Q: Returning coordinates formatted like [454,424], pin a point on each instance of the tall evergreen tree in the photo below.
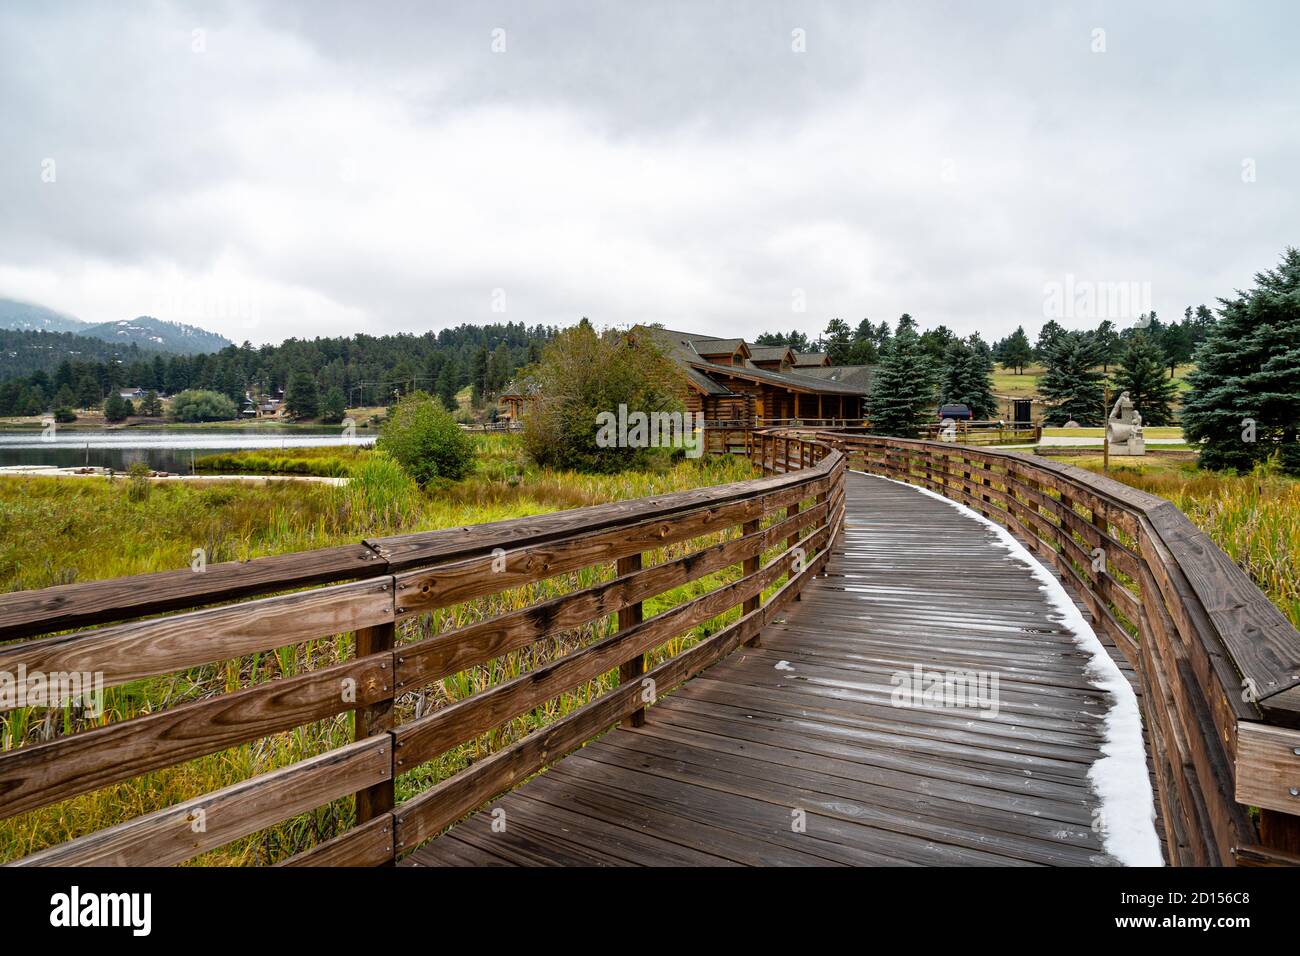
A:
[936,341]
[837,340]
[302,400]
[1048,336]
[1109,346]
[1071,383]
[967,379]
[902,393]
[1245,391]
[1141,374]
[478,377]
[1016,351]
[446,386]
[333,406]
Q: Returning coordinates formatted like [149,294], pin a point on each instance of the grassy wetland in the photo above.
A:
[59,531]
[1254,517]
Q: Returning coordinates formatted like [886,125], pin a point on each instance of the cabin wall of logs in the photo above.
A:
[1219,664]
[718,563]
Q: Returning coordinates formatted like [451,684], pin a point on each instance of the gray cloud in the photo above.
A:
[318,169]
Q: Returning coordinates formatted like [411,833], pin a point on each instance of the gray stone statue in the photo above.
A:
[1124,428]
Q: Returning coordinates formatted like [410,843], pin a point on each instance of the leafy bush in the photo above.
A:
[197,405]
[64,415]
[583,374]
[425,440]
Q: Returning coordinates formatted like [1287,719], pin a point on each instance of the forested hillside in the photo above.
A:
[368,370]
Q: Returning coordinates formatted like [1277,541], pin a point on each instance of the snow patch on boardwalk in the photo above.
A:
[1119,777]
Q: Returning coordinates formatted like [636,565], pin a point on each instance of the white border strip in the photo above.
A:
[1127,812]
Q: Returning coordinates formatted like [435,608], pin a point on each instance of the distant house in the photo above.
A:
[262,406]
[730,380]
[131,394]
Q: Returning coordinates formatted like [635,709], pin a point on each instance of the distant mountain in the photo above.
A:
[145,332]
[157,335]
[25,317]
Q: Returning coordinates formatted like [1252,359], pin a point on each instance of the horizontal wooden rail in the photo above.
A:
[1219,664]
[151,626]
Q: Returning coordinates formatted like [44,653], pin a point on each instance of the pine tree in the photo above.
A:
[302,399]
[151,405]
[902,394]
[1109,345]
[1245,391]
[333,407]
[967,378]
[1071,384]
[836,340]
[446,386]
[1141,374]
[478,377]
[116,408]
[1048,336]
[1017,352]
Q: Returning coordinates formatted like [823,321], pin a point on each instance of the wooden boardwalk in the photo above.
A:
[790,753]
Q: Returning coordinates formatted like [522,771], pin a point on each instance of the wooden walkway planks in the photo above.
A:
[803,727]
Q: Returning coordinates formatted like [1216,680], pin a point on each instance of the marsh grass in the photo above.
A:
[329,462]
[1254,517]
[62,530]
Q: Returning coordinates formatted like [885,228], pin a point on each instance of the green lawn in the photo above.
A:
[1161,431]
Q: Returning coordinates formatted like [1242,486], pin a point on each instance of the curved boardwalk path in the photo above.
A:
[800,730]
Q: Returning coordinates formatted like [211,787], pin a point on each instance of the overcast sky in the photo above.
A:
[281,169]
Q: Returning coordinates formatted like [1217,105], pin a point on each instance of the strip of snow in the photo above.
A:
[1120,777]
[783,666]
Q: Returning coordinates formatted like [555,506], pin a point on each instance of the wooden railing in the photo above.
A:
[1219,664]
[388,593]
[984,433]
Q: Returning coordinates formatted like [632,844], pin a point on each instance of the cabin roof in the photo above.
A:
[691,350]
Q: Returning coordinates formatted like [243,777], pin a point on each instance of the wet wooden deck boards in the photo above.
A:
[726,766]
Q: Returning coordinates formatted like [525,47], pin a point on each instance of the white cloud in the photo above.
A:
[338,175]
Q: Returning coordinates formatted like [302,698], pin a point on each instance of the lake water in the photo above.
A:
[160,449]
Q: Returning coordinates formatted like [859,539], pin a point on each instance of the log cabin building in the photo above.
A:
[732,382]
[729,380]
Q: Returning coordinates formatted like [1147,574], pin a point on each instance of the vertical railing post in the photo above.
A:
[374,719]
[793,540]
[631,616]
[751,566]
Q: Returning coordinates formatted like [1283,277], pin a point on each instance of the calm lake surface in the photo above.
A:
[160,449]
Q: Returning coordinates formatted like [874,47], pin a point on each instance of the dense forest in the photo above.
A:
[367,369]
[49,370]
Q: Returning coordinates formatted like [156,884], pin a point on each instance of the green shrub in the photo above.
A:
[197,405]
[64,415]
[584,374]
[425,440]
